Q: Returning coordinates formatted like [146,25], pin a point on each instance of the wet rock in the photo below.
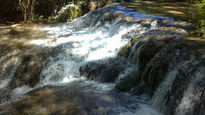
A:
[147,50]
[164,57]
[108,16]
[179,87]
[184,59]
[200,107]
[28,72]
[128,82]
[19,59]
[138,89]
[142,52]
[64,35]
[92,70]
[5,95]
[105,71]
[72,99]
[112,74]
[8,67]
[124,52]
[38,103]
[154,74]
[188,87]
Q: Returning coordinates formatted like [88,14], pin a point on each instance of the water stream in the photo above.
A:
[95,39]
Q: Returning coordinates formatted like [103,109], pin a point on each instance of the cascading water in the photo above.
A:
[84,65]
[96,37]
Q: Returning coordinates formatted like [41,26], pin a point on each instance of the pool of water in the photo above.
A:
[181,11]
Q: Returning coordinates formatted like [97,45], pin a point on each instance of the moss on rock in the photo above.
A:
[124,52]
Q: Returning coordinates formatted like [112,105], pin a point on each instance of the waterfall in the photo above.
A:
[82,65]
[93,37]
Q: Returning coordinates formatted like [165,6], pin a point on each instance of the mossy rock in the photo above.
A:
[72,99]
[128,82]
[124,51]
[28,72]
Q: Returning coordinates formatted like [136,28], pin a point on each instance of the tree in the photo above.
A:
[28,8]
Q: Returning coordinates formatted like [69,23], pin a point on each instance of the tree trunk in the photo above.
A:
[27,7]
[33,9]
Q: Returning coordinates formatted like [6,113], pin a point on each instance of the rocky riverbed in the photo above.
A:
[110,61]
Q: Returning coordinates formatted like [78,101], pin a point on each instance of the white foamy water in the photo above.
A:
[89,38]
[8,72]
[81,47]
[21,90]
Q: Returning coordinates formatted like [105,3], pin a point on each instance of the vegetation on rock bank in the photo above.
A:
[15,11]
[30,10]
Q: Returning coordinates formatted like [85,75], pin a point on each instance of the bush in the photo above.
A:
[199,19]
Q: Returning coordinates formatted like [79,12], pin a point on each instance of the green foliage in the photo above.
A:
[51,18]
[36,17]
[74,13]
[135,37]
[199,28]
[41,17]
[12,12]
[199,19]
[18,8]
[68,13]
[201,4]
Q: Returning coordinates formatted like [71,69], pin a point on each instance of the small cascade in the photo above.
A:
[95,37]
[110,61]
[8,71]
[193,94]
[162,91]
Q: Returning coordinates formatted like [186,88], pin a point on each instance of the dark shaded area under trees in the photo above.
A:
[15,11]
[10,11]
[26,10]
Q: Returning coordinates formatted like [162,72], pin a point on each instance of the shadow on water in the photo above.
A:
[178,10]
[19,57]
